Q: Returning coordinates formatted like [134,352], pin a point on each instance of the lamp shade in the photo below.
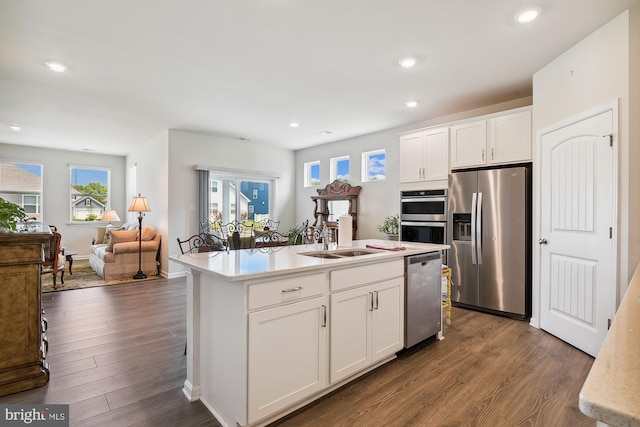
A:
[110,215]
[139,204]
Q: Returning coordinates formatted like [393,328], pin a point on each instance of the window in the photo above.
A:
[252,196]
[374,165]
[90,193]
[21,183]
[339,169]
[312,174]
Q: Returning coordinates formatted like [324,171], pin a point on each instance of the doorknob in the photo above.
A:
[542,241]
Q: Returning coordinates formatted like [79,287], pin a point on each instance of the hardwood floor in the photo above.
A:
[116,357]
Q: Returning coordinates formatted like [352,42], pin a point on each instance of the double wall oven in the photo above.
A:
[423,217]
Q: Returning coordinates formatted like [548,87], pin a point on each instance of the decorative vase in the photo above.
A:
[392,237]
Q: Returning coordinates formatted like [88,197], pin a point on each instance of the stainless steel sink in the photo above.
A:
[340,253]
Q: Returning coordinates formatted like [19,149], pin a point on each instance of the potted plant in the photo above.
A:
[390,226]
[10,216]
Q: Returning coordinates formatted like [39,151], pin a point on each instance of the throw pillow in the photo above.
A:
[107,234]
[118,236]
[148,232]
[101,231]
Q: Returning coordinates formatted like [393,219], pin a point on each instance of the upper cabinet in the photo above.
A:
[498,139]
[424,155]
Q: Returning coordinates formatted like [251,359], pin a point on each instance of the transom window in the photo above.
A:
[374,165]
[339,169]
[312,174]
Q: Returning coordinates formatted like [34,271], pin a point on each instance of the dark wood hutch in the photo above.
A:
[336,191]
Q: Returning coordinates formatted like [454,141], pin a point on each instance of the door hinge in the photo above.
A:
[611,232]
[610,136]
[608,324]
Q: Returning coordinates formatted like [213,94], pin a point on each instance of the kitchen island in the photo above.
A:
[270,330]
[611,392]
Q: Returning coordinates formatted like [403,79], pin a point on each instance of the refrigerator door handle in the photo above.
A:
[479,228]
[473,228]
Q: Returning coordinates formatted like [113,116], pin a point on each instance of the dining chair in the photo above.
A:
[54,258]
[238,235]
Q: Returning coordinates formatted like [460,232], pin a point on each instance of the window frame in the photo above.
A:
[366,165]
[106,205]
[308,175]
[16,195]
[333,168]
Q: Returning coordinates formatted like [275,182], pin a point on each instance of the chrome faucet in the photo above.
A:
[324,233]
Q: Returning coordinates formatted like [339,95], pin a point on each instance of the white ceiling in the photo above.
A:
[245,69]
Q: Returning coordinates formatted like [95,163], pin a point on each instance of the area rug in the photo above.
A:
[83,277]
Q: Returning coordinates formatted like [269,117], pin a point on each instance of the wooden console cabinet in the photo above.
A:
[23,343]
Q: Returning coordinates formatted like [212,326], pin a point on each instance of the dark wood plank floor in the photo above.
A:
[116,357]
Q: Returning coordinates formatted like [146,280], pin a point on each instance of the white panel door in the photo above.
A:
[577,262]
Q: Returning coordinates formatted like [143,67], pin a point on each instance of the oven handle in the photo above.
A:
[425,223]
[425,199]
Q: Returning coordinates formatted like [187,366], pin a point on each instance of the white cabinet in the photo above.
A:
[287,355]
[500,139]
[424,155]
[469,144]
[366,326]
[509,138]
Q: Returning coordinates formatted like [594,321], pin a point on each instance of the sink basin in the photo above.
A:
[340,253]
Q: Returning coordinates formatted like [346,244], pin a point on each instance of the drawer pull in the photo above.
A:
[296,289]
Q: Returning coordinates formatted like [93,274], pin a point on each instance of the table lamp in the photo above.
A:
[109,216]
[139,204]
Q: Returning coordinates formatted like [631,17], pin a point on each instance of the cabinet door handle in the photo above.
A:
[483,154]
[376,295]
[492,158]
[371,301]
[296,289]
[324,316]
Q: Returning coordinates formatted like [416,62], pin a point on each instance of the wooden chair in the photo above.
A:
[54,258]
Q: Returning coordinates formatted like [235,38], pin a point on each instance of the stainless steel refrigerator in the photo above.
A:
[489,229]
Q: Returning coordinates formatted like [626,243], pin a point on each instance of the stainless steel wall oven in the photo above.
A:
[423,217]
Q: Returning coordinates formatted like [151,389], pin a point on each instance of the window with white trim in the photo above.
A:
[21,184]
[312,174]
[90,194]
[339,169]
[374,165]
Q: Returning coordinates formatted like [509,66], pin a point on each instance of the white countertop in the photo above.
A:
[264,262]
[611,392]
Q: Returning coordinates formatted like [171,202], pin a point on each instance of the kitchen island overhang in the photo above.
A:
[246,306]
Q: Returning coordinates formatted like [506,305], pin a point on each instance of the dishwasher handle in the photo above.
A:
[423,258]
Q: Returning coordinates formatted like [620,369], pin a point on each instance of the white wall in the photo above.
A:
[381,198]
[151,161]
[56,185]
[187,149]
[594,72]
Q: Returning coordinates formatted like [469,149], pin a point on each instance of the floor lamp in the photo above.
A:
[139,204]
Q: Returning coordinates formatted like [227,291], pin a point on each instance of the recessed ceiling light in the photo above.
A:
[56,66]
[408,62]
[294,124]
[411,104]
[15,128]
[526,16]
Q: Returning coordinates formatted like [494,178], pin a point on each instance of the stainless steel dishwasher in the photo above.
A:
[423,297]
